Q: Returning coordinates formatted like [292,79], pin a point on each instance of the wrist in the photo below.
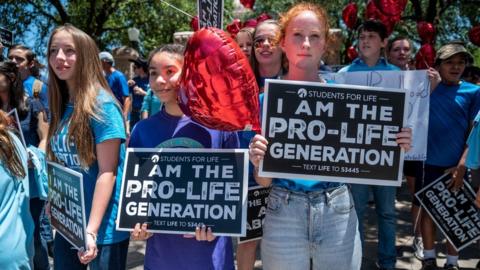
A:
[93,235]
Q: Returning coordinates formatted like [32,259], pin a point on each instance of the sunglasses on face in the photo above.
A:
[259,41]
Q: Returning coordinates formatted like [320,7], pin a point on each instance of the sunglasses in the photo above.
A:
[259,41]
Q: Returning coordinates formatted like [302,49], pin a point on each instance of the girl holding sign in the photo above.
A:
[171,128]
[16,224]
[87,134]
[308,224]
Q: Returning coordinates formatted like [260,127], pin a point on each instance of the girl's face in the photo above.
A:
[304,41]
[400,53]
[63,56]
[165,69]
[267,51]
[244,40]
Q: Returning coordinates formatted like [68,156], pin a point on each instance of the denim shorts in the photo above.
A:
[311,230]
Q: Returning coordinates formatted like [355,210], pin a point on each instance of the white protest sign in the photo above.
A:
[417,88]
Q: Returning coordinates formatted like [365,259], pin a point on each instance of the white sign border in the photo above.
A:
[363,181]
[190,150]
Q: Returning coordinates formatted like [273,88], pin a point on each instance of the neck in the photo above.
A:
[173,109]
[371,61]
[297,74]
[269,70]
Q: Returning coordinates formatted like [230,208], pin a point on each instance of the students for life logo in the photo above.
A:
[302,92]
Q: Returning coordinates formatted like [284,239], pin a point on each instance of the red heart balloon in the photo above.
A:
[217,87]
[372,12]
[263,17]
[426,31]
[234,27]
[425,57]
[248,3]
[352,53]
[250,23]
[474,35]
[392,7]
[194,23]
[349,15]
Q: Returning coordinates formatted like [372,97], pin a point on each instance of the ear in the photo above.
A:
[282,44]
[384,43]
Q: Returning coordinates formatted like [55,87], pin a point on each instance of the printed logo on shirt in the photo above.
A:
[64,149]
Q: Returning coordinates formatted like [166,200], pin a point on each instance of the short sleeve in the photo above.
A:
[110,125]
[473,142]
[230,140]
[44,96]
[475,108]
[124,85]
[146,101]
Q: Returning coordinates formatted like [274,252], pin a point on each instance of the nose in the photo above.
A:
[306,43]
[60,55]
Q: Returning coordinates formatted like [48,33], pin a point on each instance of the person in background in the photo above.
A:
[87,134]
[172,128]
[150,105]
[372,39]
[139,87]
[472,75]
[244,39]
[118,85]
[32,116]
[16,223]
[453,107]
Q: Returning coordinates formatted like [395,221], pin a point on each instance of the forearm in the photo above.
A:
[127,103]
[101,198]
[263,181]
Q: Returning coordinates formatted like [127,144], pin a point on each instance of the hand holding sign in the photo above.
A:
[90,254]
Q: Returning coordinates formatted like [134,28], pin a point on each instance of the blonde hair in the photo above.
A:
[8,152]
[88,81]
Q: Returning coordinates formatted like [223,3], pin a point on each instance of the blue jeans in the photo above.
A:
[385,207]
[40,259]
[313,230]
[109,257]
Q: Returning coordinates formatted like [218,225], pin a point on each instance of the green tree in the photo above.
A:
[106,21]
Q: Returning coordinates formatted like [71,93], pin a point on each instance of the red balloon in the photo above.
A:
[425,57]
[234,27]
[392,7]
[217,87]
[372,12]
[349,15]
[250,23]
[263,17]
[474,35]
[194,23]
[351,53]
[426,31]
[248,3]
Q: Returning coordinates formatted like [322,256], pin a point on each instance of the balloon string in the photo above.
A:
[423,59]
[176,8]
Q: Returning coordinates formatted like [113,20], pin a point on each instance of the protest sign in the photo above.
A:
[330,132]
[6,37]
[454,213]
[175,190]
[416,85]
[13,114]
[210,13]
[257,206]
[67,206]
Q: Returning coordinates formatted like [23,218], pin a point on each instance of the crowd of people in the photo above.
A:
[87,114]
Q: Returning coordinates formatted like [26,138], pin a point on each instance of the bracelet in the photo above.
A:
[93,235]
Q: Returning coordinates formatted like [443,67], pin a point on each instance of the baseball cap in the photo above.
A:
[451,49]
[106,56]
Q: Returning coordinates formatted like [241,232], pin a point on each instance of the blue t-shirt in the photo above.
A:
[169,251]
[359,65]
[110,126]
[151,103]
[452,108]
[137,100]
[118,83]
[16,223]
[43,95]
[473,142]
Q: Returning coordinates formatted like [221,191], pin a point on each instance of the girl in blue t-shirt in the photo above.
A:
[16,224]
[171,128]
[308,224]
[87,134]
